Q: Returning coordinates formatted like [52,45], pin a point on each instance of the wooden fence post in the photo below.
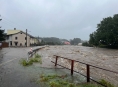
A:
[88,72]
[72,66]
[56,61]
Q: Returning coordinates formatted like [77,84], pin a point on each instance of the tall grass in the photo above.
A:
[106,83]
[37,58]
[58,81]
[24,62]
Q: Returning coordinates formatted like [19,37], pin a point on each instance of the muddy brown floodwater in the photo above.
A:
[101,57]
[12,74]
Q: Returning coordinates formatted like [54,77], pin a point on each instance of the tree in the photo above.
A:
[106,33]
[75,41]
[2,35]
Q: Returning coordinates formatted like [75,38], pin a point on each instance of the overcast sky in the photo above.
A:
[56,18]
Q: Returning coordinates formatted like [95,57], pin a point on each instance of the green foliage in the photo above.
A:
[37,58]
[50,41]
[26,63]
[89,85]
[86,44]
[71,85]
[61,81]
[54,84]
[106,33]
[75,41]
[2,35]
[105,83]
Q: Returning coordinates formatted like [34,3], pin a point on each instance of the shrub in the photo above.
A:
[37,56]
[25,62]
[105,83]
[54,84]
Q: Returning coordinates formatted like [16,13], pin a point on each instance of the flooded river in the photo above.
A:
[100,57]
[12,74]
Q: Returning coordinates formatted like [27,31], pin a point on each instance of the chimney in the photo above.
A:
[14,28]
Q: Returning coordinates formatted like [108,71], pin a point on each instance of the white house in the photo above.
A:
[18,38]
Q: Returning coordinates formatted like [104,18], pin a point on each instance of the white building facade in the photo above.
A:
[19,39]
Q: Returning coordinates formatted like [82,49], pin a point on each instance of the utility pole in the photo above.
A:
[26,37]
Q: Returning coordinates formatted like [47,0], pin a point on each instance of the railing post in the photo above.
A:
[88,72]
[27,56]
[72,66]
[56,61]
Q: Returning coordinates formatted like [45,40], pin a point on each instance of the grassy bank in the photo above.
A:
[63,81]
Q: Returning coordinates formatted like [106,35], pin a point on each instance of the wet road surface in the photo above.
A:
[101,57]
[12,74]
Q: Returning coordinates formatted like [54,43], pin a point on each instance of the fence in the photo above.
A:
[87,68]
[5,44]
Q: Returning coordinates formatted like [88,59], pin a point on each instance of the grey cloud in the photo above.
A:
[56,18]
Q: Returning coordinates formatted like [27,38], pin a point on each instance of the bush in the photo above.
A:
[105,83]
[58,81]
[26,63]
[37,58]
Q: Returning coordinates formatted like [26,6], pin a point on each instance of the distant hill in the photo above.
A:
[58,41]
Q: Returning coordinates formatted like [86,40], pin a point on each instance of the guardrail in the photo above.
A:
[87,68]
[31,53]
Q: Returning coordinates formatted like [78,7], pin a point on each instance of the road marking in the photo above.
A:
[7,61]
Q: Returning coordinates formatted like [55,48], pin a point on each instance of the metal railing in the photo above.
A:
[32,52]
[87,68]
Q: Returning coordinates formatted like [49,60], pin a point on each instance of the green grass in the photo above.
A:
[105,83]
[25,62]
[61,81]
[37,58]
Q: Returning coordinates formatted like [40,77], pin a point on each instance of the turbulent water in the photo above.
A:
[101,57]
[12,74]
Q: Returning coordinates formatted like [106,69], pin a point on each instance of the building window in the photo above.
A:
[16,38]
[25,38]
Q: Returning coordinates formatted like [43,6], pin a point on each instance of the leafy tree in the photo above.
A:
[85,44]
[106,33]
[2,35]
[75,41]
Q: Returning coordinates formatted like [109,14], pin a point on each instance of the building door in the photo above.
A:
[16,43]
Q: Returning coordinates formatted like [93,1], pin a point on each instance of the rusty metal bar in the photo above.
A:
[90,65]
[72,66]
[88,73]
[56,60]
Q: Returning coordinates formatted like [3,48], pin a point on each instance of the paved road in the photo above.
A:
[12,74]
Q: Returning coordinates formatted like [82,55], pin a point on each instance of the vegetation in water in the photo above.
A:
[37,58]
[61,81]
[106,83]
